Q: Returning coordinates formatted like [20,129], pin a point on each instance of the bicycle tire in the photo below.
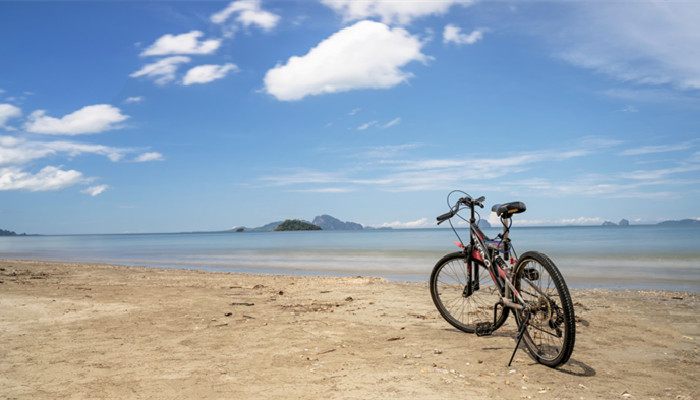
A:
[448,281]
[551,330]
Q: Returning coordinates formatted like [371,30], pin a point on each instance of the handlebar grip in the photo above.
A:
[444,217]
[479,201]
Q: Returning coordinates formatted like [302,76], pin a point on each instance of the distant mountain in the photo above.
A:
[328,223]
[296,225]
[681,222]
[624,222]
[484,224]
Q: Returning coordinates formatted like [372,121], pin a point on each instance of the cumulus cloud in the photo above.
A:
[152,156]
[95,190]
[7,112]
[247,12]
[49,178]
[89,119]
[162,71]
[391,11]
[186,43]
[648,43]
[366,55]
[208,73]
[454,34]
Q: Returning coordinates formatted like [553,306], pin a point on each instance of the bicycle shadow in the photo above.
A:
[577,368]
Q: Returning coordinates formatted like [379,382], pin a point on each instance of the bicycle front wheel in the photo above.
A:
[551,330]
[465,294]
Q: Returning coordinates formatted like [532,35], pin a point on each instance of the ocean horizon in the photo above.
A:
[629,257]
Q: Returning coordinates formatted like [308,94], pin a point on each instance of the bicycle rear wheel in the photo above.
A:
[461,306]
[551,330]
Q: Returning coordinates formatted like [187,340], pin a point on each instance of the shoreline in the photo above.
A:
[574,279]
[78,330]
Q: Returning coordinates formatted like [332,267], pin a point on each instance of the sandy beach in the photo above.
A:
[99,331]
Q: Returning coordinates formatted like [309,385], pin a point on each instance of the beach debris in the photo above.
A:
[582,386]
[258,286]
[687,337]
[391,339]
[349,298]
[437,351]
[242,304]
[228,314]
[626,394]
[419,316]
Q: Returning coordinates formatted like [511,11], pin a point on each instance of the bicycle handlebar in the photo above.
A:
[467,201]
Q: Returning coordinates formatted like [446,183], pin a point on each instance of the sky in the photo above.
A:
[159,116]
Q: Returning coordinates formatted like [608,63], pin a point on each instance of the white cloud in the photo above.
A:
[353,112]
[366,55]
[248,13]
[657,149]
[208,73]
[646,43]
[402,175]
[391,11]
[135,99]
[454,34]
[366,125]
[89,119]
[162,71]
[391,123]
[49,178]
[95,190]
[186,43]
[153,156]
[17,152]
[7,112]
[420,223]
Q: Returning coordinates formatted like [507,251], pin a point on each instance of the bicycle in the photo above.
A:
[475,288]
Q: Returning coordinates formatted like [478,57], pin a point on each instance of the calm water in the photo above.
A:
[637,257]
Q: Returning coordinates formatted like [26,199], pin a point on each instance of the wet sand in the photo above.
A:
[99,331]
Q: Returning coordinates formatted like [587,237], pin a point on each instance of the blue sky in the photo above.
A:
[176,116]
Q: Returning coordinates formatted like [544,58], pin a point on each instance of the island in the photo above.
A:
[682,222]
[4,232]
[296,225]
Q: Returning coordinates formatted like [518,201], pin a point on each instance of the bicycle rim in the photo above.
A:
[461,307]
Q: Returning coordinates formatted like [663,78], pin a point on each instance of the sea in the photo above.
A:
[632,257]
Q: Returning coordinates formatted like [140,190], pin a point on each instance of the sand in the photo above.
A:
[98,331]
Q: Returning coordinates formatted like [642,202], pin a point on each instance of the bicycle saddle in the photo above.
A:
[508,209]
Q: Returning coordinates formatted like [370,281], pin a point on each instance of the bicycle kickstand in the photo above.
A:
[521,332]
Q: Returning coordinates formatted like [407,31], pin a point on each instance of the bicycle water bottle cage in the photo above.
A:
[508,209]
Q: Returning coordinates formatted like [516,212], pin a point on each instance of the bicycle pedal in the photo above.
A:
[484,329]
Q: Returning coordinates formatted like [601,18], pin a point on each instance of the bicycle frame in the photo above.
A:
[478,252]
